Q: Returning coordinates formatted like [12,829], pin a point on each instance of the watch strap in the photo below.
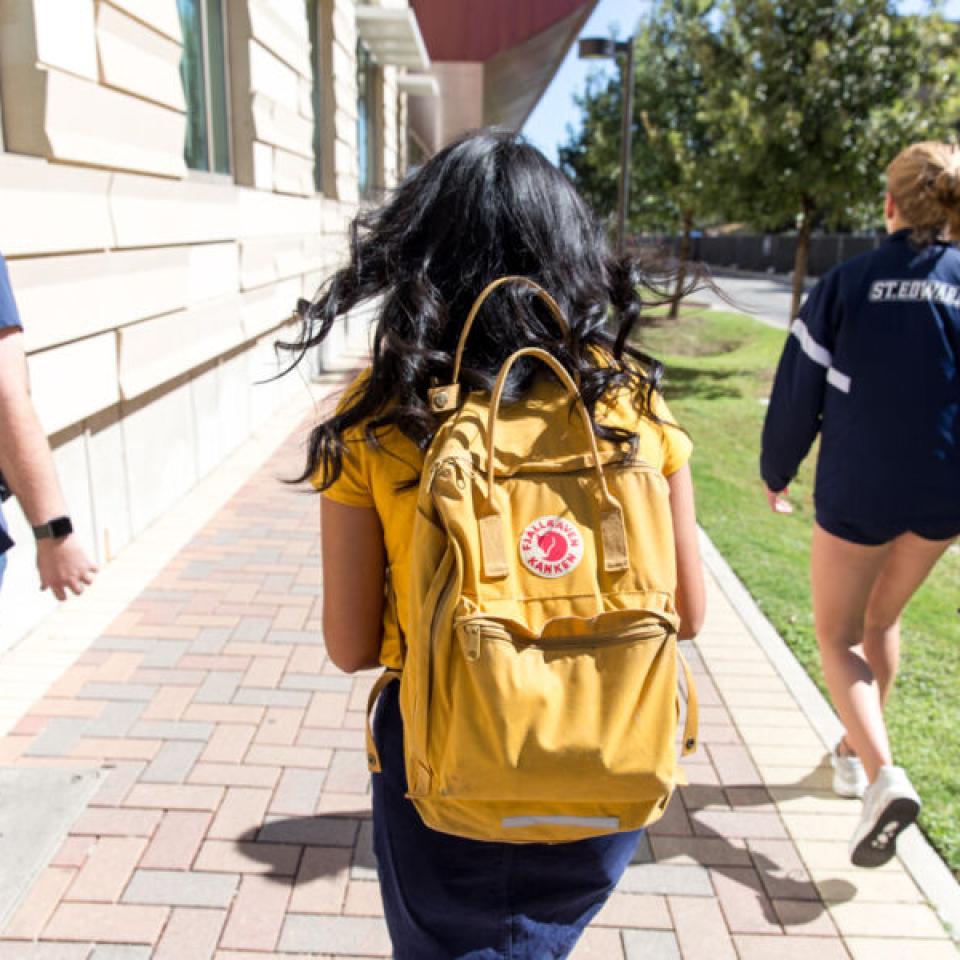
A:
[54,529]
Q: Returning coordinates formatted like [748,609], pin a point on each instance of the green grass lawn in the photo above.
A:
[719,370]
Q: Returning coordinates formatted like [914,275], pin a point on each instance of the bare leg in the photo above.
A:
[858,595]
[908,565]
[843,575]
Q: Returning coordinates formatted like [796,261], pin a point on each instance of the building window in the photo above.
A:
[366,119]
[204,75]
[417,153]
[317,66]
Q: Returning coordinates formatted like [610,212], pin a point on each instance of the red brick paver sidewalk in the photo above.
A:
[232,820]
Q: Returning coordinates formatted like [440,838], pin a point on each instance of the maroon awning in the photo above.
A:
[477,30]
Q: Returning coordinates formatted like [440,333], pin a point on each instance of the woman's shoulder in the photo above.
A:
[385,445]
[642,410]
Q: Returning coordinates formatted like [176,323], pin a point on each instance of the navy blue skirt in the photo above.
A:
[449,898]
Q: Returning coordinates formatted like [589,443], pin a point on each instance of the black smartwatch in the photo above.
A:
[55,529]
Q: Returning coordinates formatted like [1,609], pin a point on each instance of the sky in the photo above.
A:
[547,126]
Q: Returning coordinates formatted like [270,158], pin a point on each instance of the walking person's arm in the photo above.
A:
[691,594]
[796,401]
[354,562]
[28,468]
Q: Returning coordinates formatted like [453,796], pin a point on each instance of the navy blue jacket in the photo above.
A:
[872,364]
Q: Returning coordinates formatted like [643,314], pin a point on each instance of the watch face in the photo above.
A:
[61,527]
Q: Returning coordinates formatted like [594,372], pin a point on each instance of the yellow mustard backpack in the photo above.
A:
[539,690]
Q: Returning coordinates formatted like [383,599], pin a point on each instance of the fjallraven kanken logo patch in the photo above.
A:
[551,547]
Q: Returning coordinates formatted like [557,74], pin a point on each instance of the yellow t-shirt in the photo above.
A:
[386,480]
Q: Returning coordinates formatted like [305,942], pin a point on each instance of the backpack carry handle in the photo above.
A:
[447,397]
[612,528]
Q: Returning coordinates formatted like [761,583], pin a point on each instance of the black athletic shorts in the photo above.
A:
[877,534]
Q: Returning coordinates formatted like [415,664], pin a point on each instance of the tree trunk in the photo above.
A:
[801,257]
[684,257]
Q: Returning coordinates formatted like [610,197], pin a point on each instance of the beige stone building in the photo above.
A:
[174,174]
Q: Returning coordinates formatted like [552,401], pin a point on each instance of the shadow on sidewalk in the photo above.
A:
[769,867]
[348,832]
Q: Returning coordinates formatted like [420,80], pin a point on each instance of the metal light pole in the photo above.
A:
[604,48]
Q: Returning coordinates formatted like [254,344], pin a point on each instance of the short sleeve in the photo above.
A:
[9,315]
[353,486]
[677,445]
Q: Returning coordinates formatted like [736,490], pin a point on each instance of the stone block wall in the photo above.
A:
[151,295]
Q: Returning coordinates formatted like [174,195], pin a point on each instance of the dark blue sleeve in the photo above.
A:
[796,402]
[9,315]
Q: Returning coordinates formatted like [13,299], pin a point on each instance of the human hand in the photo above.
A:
[777,503]
[63,565]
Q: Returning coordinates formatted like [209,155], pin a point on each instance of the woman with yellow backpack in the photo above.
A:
[508,528]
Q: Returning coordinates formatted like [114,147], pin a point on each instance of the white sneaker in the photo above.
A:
[849,777]
[890,805]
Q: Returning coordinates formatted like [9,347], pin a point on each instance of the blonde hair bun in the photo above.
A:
[946,185]
[924,181]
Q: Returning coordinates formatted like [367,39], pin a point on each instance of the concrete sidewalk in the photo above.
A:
[228,801]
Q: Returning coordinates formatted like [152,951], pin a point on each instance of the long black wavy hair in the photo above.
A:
[488,204]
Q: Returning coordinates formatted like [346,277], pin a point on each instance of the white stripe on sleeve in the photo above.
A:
[839,380]
[809,346]
[820,356]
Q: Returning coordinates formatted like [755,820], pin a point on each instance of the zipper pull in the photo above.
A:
[470,635]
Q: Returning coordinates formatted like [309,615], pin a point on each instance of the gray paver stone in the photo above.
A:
[176,888]
[116,719]
[173,730]
[339,936]
[298,791]
[255,696]
[165,653]
[172,763]
[663,878]
[118,691]
[306,589]
[276,583]
[131,644]
[218,687]
[59,737]
[170,676]
[252,629]
[650,945]
[210,640]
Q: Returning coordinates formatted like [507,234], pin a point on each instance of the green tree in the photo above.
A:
[671,188]
[815,100]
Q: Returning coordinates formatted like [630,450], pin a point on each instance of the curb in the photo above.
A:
[921,861]
[784,279]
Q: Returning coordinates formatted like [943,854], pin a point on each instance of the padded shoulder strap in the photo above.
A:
[447,397]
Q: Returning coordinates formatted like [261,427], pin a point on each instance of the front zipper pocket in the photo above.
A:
[474,631]
[566,717]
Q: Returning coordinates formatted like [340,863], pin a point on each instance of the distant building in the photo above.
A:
[174,174]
